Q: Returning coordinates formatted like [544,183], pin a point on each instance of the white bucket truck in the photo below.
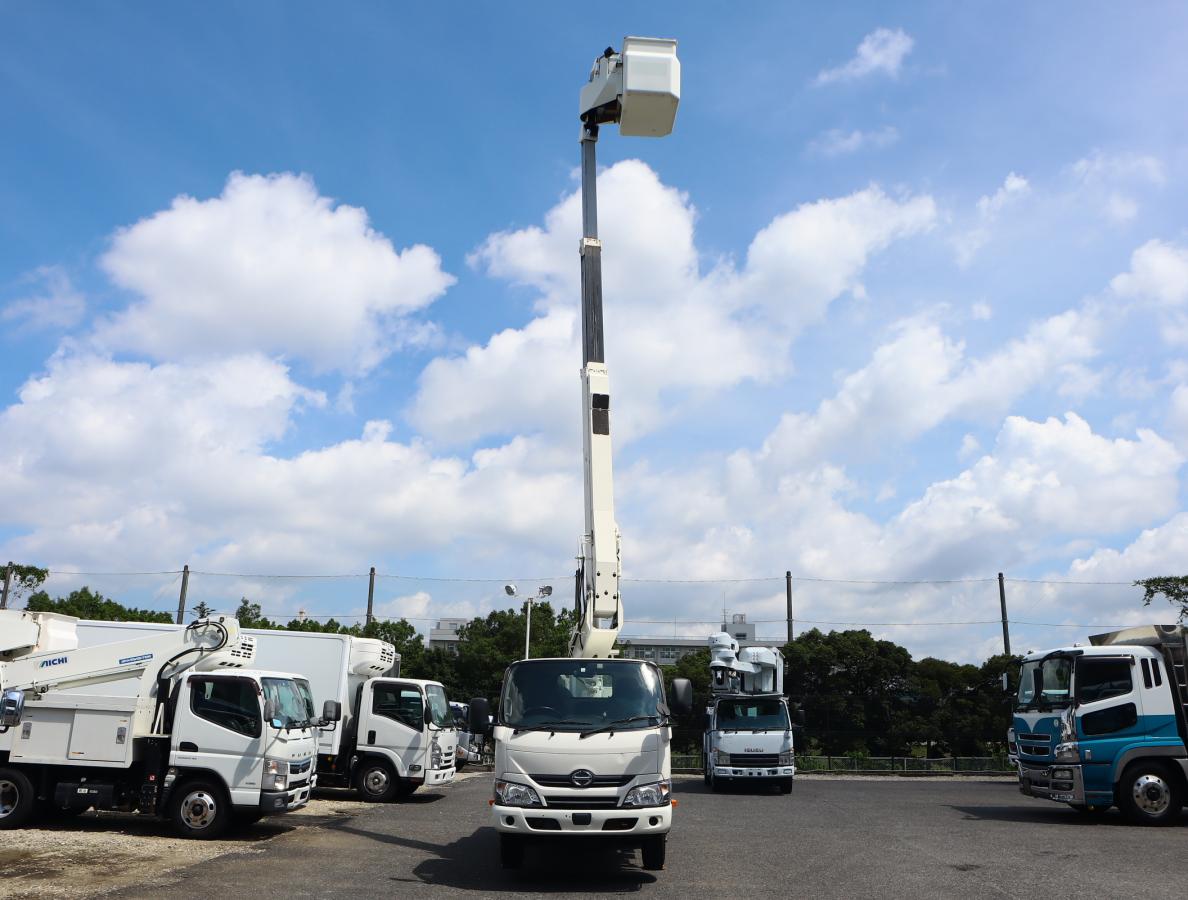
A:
[583,744]
[189,732]
[396,733]
[748,732]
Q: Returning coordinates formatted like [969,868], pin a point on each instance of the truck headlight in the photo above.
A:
[276,774]
[509,793]
[721,758]
[435,754]
[1070,751]
[655,794]
[787,758]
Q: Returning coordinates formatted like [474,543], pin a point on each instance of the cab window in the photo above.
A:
[230,703]
[1101,679]
[402,703]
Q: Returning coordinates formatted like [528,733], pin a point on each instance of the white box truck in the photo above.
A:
[175,724]
[396,734]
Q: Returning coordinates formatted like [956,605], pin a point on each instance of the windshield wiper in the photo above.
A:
[545,726]
[610,726]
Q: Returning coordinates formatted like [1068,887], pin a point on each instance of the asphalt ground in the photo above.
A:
[830,838]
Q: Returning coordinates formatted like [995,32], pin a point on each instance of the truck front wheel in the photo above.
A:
[1149,794]
[653,852]
[199,809]
[376,782]
[16,798]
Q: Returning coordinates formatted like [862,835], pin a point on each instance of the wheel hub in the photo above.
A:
[376,781]
[9,795]
[198,810]
[1152,795]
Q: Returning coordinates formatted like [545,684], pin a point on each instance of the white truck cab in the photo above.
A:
[582,749]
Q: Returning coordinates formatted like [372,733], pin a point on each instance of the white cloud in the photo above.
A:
[674,332]
[54,303]
[1156,551]
[836,142]
[989,207]
[1108,180]
[881,52]
[981,312]
[1158,273]
[271,266]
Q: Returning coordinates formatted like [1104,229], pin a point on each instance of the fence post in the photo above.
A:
[1006,634]
[371,597]
[181,599]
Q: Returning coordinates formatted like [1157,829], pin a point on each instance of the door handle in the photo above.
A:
[371,736]
[188,746]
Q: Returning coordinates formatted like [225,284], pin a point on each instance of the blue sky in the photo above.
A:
[902,297]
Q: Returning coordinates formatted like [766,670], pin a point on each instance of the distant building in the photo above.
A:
[445,634]
[667,651]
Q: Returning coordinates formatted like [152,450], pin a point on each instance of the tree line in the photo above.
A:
[860,695]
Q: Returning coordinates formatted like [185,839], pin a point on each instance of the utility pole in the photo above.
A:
[181,599]
[371,597]
[1006,634]
[7,585]
[788,590]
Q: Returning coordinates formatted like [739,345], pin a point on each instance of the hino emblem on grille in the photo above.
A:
[582,778]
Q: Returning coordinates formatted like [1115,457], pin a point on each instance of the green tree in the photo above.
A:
[25,580]
[1173,587]
[687,732]
[202,610]
[248,615]
[87,604]
[487,646]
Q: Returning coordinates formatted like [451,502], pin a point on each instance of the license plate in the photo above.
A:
[1064,798]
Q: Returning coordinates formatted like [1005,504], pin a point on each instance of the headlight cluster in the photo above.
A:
[276,774]
[655,794]
[787,758]
[435,754]
[1070,751]
[509,793]
[721,758]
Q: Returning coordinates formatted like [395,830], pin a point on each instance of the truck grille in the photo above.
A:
[582,803]
[564,782]
[754,759]
[300,768]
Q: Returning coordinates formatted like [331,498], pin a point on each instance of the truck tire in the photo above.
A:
[786,785]
[405,789]
[707,774]
[1150,794]
[199,809]
[16,798]
[375,781]
[653,850]
[511,851]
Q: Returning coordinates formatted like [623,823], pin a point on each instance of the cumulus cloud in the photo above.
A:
[989,207]
[269,265]
[1158,279]
[836,142]
[53,302]
[1110,181]
[665,316]
[881,52]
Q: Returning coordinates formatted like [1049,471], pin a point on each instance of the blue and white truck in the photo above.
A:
[1107,725]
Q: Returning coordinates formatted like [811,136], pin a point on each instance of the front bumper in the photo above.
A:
[754,772]
[619,822]
[440,776]
[1063,783]
[295,797]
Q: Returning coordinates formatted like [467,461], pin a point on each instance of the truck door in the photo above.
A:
[217,726]
[1109,715]
[396,722]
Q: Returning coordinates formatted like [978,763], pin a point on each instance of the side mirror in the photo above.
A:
[12,706]
[427,716]
[331,711]
[480,716]
[682,696]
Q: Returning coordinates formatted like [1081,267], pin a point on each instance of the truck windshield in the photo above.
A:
[1054,682]
[439,706]
[768,714]
[580,694]
[288,701]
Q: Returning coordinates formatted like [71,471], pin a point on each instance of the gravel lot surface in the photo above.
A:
[833,837]
[95,853]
